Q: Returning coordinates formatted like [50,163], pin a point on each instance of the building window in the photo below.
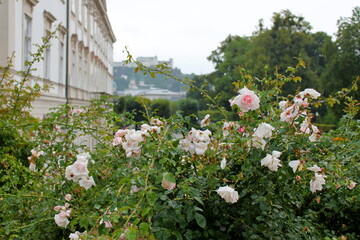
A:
[80,73]
[85,80]
[47,56]
[73,67]
[91,24]
[48,20]
[80,10]
[73,6]
[47,62]
[62,34]
[27,40]
[61,62]
[85,17]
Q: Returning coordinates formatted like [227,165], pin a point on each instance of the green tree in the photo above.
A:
[278,47]
[119,105]
[228,57]
[343,57]
[161,107]
[135,107]
[188,106]
[201,82]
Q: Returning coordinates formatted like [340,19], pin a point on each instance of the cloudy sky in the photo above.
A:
[188,30]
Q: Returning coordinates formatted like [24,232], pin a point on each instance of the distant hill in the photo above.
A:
[124,75]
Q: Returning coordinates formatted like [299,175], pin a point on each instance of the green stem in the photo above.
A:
[31,224]
[35,196]
[145,189]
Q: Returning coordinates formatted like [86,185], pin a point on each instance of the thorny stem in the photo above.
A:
[35,196]
[145,189]
[6,69]
[31,224]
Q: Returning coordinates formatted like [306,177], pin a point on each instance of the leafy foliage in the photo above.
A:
[161,181]
[165,192]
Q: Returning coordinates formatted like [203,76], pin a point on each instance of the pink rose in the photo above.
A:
[108,224]
[241,129]
[246,100]
[117,141]
[351,185]
[57,208]
[67,197]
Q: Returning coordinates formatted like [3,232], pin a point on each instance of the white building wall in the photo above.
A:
[89,47]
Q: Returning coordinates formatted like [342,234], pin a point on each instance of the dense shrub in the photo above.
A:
[271,174]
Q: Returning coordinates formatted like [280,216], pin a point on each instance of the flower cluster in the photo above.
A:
[61,219]
[130,139]
[78,171]
[77,111]
[231,127]
[35,154]
[196,142]
[291,113]
[107,224]
[246,100]
[76,235]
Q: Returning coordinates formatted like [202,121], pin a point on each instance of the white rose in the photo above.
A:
[223,163]
[311,93]
[87,182]
[229,194]
[294,165]
[264,130]
[205,121]
[317,182]
[272,161]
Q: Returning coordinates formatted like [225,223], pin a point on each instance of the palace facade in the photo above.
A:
[79,63]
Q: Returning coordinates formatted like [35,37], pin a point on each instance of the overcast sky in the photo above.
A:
[188,30]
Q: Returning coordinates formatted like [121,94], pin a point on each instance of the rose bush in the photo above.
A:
[271,174]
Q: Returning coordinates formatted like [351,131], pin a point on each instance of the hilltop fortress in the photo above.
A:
[147,61]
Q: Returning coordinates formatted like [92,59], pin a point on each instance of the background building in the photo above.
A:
[130,82]
[78,64]
[147,61]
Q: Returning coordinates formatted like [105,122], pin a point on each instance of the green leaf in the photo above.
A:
[200,220]
[199,200]
[151,198]
[131,233]
[197,209]
[177,235]
[144,228]
[145,211]
[190,215]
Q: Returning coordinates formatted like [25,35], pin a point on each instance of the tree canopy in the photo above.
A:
[329,65]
